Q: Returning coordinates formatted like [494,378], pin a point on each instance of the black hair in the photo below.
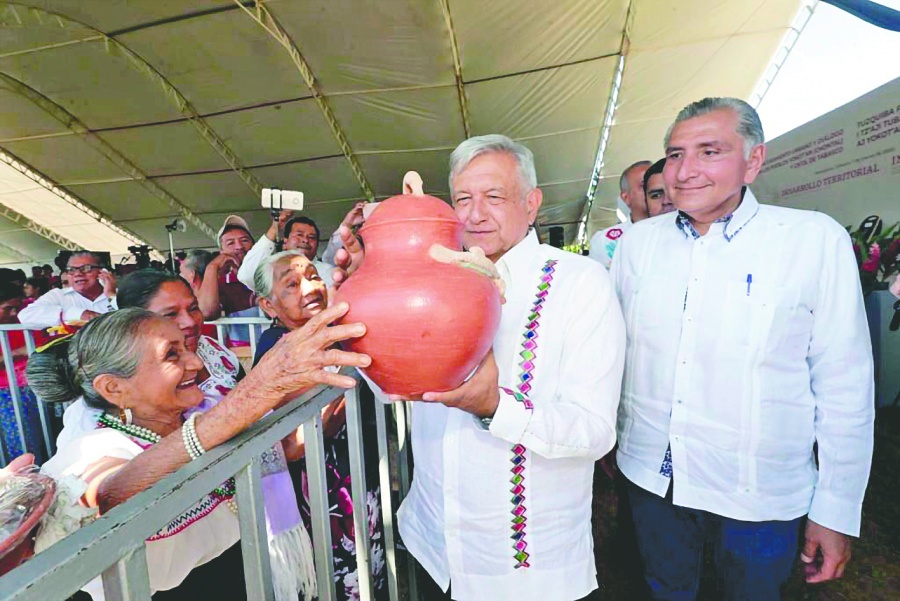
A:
[138,288]
[301,219]
[42,284]
[9,291]
[655,168]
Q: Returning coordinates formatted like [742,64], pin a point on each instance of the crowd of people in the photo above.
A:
[721,370]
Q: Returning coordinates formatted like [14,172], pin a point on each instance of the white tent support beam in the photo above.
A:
[784,51]
[611,105]
[184,106]
[268,22]
[457,68]
[16,254]
[37,228]
[42,180]
[97,143]
[188,110]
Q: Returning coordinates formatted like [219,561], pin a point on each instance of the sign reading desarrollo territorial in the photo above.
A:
[846,163]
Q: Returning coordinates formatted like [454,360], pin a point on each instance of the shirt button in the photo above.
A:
[678,401]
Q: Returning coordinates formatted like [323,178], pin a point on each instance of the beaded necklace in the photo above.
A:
[224,492]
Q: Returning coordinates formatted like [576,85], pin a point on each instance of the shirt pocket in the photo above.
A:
[748,315]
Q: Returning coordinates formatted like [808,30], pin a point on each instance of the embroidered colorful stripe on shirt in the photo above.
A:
[528,354]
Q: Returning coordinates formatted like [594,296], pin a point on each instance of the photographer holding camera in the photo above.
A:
[300,233]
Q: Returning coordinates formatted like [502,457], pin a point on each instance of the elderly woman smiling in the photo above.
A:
[135,367]
[292,292]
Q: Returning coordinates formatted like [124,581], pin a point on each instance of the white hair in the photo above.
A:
[468,150]
[749,126]
[84,253]
[264,276]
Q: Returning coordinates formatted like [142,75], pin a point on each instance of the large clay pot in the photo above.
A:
[428,324]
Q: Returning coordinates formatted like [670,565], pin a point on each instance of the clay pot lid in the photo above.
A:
[412,205]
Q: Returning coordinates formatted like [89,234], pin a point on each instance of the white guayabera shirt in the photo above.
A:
[745,347]
[63,303]
[505,513]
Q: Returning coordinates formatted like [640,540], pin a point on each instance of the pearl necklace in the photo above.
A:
[130,429]
[226,491]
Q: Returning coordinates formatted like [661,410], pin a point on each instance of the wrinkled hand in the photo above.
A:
[355,216]
[479,395]
[298,361]
[347,259]
[109,282]
[825,553]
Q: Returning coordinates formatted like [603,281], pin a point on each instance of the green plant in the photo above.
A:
[877,254]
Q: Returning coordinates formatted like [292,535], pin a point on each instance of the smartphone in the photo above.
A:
[282,200]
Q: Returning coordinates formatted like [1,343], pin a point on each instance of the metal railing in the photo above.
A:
[113,545]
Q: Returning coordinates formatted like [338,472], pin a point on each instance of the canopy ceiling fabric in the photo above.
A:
[145,111]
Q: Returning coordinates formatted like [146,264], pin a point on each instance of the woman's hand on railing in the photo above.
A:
[298,361]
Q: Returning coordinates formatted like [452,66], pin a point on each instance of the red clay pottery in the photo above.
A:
[428,323]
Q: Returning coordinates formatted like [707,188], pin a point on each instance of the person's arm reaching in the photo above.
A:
[352,219]
[262,249]
[296,364]
[208,294]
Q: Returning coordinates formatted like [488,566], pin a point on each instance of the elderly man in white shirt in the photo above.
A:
[500,505]
[747,346]
[92,293]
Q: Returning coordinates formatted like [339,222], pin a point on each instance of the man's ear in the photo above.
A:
[755,163]
[267,307]
[111,388]
[533,202]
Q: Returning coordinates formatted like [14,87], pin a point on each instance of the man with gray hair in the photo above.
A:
[92,292]
[747,412]
[500,505]
[631,191]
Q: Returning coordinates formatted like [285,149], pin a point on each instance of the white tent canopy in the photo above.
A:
[146,111]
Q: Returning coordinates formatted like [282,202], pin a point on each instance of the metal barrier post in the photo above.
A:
[404,435]
[254,540]
[359,492]
[129,578]
[387,510]
[319,506]
[49,443]
[14,392]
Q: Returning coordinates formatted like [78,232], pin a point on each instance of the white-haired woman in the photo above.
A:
[291,292]
[134,366]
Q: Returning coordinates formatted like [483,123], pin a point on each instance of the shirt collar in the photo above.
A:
[516,261]
[734,222]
